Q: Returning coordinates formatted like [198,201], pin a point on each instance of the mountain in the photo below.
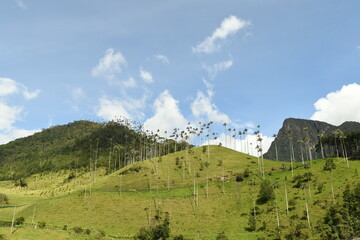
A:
[80,144]
[297,136]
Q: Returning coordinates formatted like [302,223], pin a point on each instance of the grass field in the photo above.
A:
[123,201]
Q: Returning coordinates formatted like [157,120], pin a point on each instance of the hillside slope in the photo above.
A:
[197,188]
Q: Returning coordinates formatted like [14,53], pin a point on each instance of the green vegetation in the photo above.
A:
[185,194]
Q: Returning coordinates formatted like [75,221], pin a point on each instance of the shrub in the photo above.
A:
[161,230]
[87,231]
[320,187]
[65,228]
[251,223]
[239,177]
[21,183]
[221,236]
[4,199]
[266,192]
[179,237]
[246,173]
[42,224]
[329,165]
[19,221]
[78,230]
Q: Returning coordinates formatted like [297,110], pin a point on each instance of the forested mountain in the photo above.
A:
[81,144]
[300,139]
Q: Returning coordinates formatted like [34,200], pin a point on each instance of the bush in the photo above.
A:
[320,187]
[266,192]
[329,165]
[4,199]
[78,230]
[19,221]
[21,182]
[251,223]
[179,237]
[221,236]
[65,228]
[240,177]
[161,230]
[87,231]
[42,224]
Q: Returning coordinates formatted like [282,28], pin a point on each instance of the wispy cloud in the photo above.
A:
[229,26]
[21,4]
[214,69]
[109,66]
[146,76]
[162,58]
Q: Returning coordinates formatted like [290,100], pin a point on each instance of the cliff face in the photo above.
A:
[299,135]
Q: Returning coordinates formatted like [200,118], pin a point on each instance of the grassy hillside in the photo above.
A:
[125,200]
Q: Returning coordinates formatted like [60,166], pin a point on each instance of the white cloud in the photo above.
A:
[167,115]
[245,145]
[8,86]
[214,69]
[162,58]
[112,109]
[339,106]
[203,109]
[30,94]
[10,114]
[130,83]
[21,4]
[146,76]
[109,66]
[229,26]
[128,107]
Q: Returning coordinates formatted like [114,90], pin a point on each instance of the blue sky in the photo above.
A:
[166,63]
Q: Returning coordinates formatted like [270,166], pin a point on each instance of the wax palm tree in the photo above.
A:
[276,149]
[321,135]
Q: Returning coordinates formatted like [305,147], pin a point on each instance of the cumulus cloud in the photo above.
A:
[245,144]
[162,58]
[203,108]
[228,27]
[339,106]
[214,69]
[10,114]
[167,115]
[146,76]
[128,107]
[112,109]
[109,66]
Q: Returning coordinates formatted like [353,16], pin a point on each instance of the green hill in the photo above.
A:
[196,187]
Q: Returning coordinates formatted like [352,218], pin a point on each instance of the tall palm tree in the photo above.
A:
[276,149]
[321,135]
